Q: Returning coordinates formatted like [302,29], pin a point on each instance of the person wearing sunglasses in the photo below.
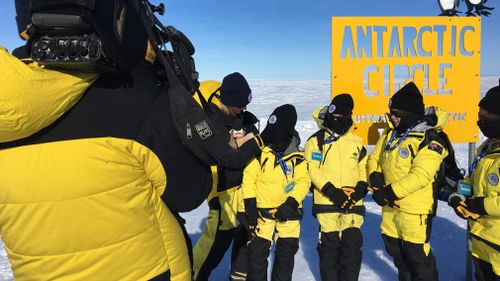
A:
[482,209]
[337,167]
[402,170]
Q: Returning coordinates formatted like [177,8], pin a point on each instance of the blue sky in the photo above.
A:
[277,39]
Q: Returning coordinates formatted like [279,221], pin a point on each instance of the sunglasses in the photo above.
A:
[397,113]
[337,118]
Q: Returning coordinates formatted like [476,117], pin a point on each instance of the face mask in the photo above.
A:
[338,125]
[408,120]
[489,127]
[281,145]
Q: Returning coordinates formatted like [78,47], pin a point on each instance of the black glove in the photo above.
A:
[458,203]
[476,205]
[286,209]
[377,180]
[360,191]
[384,196]
[252,213]
[336,195]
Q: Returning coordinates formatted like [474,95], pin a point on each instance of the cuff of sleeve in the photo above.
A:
[390,195]
[396,190]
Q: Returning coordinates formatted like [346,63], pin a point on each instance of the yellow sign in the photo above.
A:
[373,57]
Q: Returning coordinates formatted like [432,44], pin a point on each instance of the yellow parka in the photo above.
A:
[83,183]
[342,163]
[485,183]
[410,169]
[265,180]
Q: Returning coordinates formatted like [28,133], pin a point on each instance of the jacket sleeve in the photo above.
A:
[302,182]
[363,159]
[228,157]
[317,177]
[492,200]
[373,164]
[250,177]
[422,171]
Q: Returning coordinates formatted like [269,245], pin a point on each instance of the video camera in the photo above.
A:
[106,35]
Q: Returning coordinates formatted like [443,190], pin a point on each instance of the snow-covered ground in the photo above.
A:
[448,235]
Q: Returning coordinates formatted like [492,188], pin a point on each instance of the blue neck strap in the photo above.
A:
[388,146]
[477,159]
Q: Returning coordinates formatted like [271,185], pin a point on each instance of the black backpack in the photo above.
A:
[449,173]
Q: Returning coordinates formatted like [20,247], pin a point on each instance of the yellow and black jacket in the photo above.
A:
[485,183]
[265,180]
[341,162]
[84,169]
[226,177]
[409,168]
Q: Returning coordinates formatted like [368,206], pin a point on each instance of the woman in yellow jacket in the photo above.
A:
[482,209]
[274,186]
[337,166]
[402,169]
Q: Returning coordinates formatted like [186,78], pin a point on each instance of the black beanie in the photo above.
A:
[491,101]
[341,104]
[235,91]
[281,124]
[408,99]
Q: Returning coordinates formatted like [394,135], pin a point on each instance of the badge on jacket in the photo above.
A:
[403,152]
[317,156]
[435,147]
[493,179]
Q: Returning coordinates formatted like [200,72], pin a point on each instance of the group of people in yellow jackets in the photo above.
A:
[262,202]
[94,172]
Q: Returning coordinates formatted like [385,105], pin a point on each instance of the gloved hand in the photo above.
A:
[339,197]
[286,209]
[360,191]
[377,180]
[385,196]
[459,204]
[476,205]
[252,214]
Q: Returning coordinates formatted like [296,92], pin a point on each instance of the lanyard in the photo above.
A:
[331,138]
[393,136]
[477,159]
[282,163]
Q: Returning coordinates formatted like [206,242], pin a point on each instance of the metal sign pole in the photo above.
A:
[468,255]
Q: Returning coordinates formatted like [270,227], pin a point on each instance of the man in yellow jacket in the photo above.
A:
[337,166]
[274,186]
[228,100]
[482,208]
[93,172]
[402,170]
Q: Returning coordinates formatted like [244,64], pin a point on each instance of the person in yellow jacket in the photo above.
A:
[482,208]
[93,172]
[337,166]
[228,100]
[402,169]
[274,186]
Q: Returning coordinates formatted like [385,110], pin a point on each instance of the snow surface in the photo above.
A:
[448,234]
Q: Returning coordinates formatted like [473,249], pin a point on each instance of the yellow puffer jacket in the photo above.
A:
[409,170]
[36,97]
[485,183]
[342,163]
[83,199]
[265,180]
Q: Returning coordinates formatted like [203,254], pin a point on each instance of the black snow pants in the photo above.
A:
[284,257]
